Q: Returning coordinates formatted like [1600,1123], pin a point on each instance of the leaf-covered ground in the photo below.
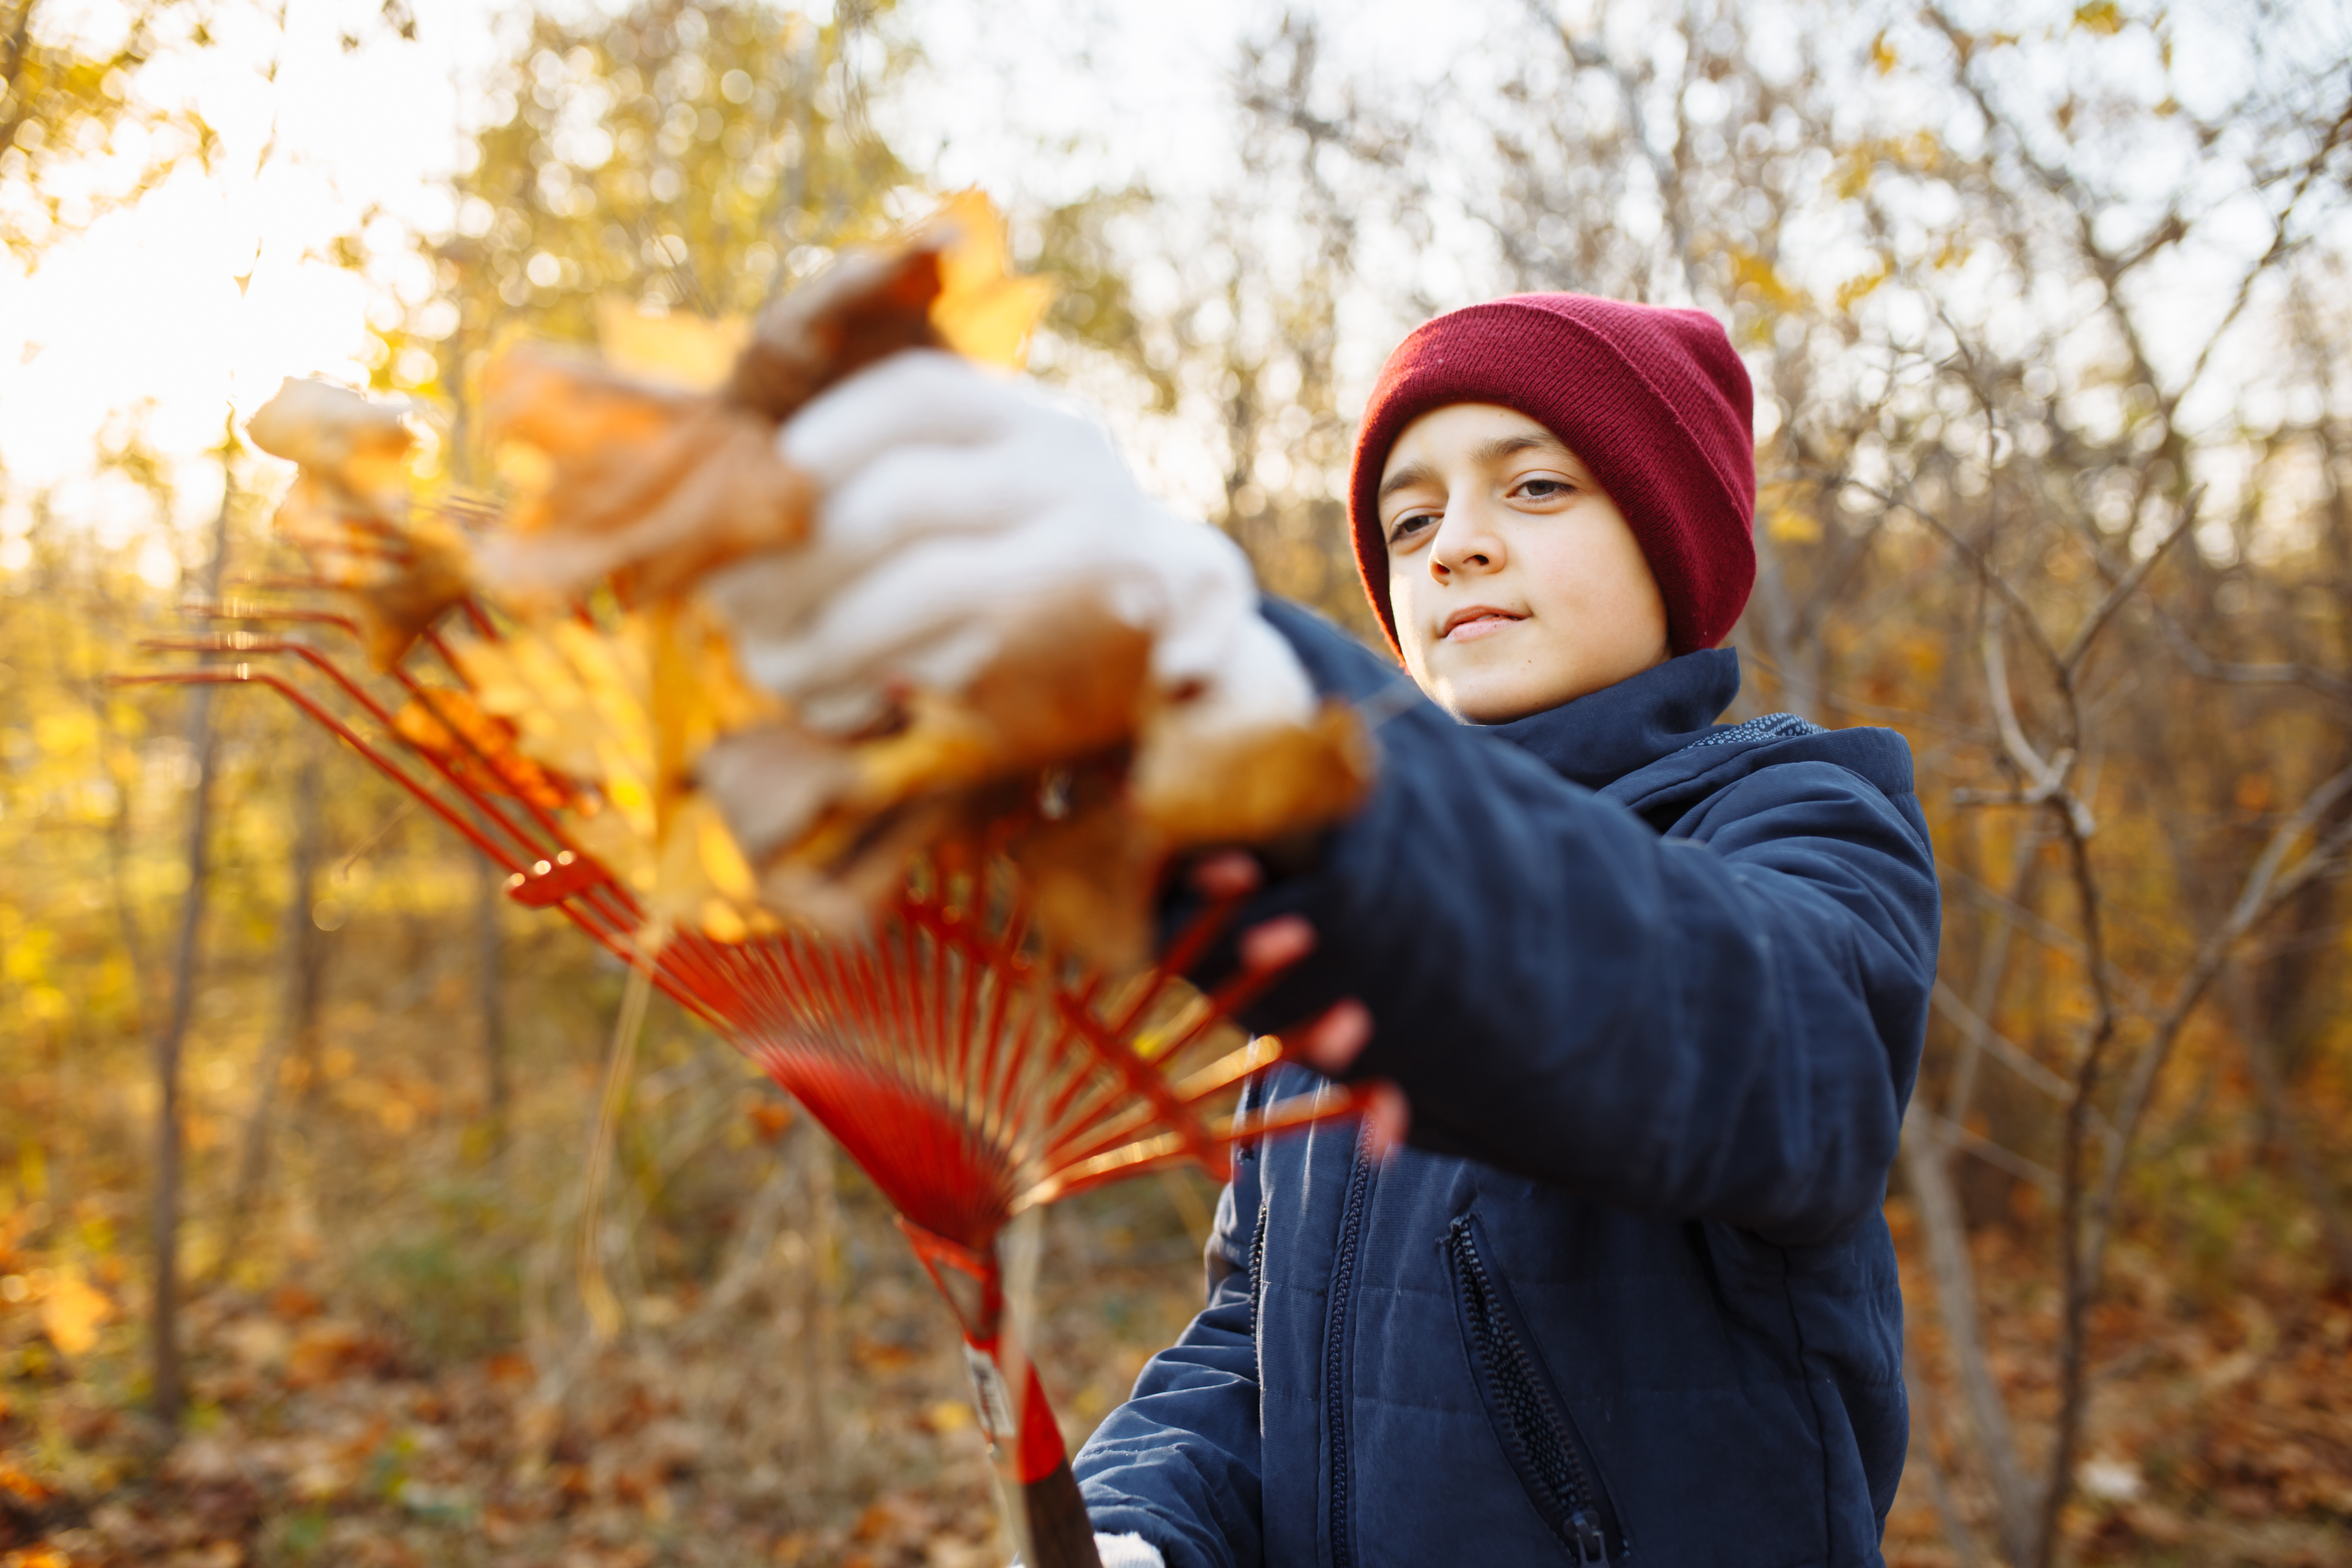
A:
[321,1433]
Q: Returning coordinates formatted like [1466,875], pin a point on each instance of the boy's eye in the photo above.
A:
[1544,489]
[1410,524]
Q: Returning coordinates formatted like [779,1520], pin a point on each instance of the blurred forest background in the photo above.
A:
[2049,313]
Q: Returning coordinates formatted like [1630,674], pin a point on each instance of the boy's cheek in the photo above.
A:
[1411,621]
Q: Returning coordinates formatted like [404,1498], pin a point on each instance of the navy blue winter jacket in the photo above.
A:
[1656,989]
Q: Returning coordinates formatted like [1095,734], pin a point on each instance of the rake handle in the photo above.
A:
[1059,1534]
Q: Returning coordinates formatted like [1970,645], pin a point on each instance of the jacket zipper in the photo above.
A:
[1335,1361]
[1258,1264]
[1553,1453]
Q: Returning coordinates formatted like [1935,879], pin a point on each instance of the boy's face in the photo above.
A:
[1516,582]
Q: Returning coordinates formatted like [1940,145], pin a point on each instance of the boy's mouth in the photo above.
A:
[1472,622]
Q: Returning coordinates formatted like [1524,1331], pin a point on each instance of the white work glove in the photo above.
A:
[1122,1551]
[1127,1551]
[960,505]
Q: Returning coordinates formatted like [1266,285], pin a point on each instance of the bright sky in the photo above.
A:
[138,325]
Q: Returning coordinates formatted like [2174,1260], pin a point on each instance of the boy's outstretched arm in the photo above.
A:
[1178,1464]
[1725,1026]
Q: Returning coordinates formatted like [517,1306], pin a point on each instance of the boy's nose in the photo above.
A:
[1464,542]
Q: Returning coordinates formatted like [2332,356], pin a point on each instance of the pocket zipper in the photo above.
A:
[1551,1461]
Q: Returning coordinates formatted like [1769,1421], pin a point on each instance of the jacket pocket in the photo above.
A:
[1535,1429]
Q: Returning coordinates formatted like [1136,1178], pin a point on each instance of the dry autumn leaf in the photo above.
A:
[945,286]
[27,1489]
[1093,874]
[630,713]
[623,480]
[694,354]
[340,437]
[479,748]
[1249,788]
[823,816]
[984,310]
[399,564]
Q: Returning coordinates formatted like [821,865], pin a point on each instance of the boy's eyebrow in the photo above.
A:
[1491,451]
[1502,446]
[1410,474]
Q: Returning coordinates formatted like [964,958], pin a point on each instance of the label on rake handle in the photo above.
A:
[990,1397]
[1034,1442]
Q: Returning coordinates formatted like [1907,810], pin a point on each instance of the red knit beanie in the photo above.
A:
[1653,400]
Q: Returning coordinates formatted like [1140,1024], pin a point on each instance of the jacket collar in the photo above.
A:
[1599,738]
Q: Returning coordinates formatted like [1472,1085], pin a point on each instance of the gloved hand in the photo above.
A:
[961,510]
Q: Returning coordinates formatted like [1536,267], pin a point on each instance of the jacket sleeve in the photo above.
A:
[1178,1463]
[1724,1024]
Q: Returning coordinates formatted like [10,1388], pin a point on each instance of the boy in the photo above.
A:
[1655,988]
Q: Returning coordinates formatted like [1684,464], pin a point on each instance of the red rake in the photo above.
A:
[971,1070]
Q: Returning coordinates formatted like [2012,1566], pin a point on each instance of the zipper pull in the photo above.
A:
[1591,1546]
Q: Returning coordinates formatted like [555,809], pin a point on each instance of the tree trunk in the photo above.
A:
[498,1094]
[163,1318]
[305,980]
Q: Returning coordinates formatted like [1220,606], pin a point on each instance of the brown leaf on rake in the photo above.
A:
[945,286]
[340,435]
[350,513]
[1067,682]
[831,823]
[1253,787]
[479,747]
[850,864]
[775,781]
[865,307]
[1094,874]
[629,711]
[396,579]
[621,479]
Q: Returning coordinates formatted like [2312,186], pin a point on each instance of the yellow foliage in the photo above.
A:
[66,733]
[1851,174]
[1922,152]
[1854,289]
[2104,18]
[71,1311]
[1751,270]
